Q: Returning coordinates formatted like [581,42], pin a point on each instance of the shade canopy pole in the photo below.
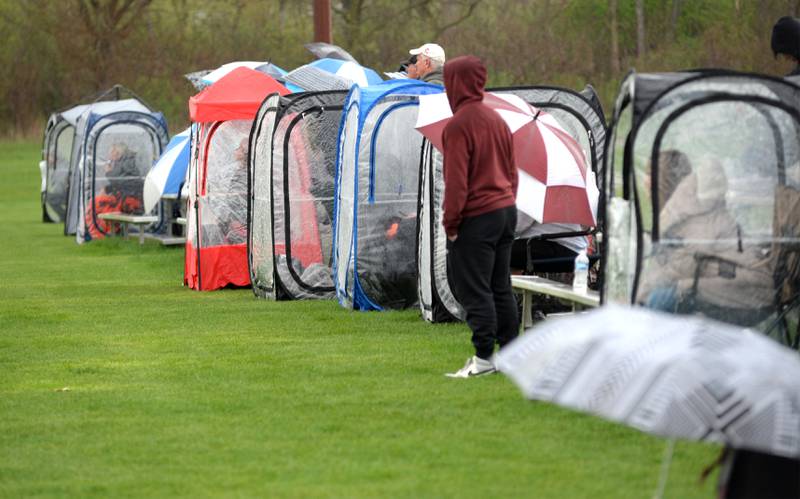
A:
[322,21]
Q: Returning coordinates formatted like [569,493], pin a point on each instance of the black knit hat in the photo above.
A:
[786,37]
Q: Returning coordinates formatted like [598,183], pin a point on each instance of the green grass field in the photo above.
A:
[115,381]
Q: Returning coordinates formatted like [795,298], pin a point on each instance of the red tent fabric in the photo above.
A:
[235,96]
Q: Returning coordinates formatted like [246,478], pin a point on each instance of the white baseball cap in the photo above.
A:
[432,50]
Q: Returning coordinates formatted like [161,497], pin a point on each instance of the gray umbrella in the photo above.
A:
[664,374]
[196,78]
[313,79]
[322,50]
[271,70]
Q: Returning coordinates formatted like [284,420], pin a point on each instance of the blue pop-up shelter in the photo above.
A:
[377,191]
[114,147]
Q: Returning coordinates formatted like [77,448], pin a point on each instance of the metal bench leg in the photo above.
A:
[527,320]
[124,229]
[141,235]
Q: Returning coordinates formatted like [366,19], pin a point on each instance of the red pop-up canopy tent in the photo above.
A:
[216,246]
[236,96]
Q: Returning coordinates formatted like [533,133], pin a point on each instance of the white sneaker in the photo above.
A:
[475,366]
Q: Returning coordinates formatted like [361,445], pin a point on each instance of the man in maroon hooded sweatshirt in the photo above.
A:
[479,212]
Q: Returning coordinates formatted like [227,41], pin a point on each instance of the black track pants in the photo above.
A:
[478,267]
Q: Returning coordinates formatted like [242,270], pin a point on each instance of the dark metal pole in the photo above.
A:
[322,21]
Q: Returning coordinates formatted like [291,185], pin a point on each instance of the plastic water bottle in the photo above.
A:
[580,281]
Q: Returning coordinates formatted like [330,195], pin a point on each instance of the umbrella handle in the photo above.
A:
[664,474]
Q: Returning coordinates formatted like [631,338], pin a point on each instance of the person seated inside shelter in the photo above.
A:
[225,204]
[121,194]
[124,181]
[699,263]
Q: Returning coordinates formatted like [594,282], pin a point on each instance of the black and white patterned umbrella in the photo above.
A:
[669,375]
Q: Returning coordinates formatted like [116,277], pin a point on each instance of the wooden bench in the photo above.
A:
[124,219]
[529,285]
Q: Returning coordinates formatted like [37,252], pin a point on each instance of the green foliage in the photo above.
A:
[55,53]
[118,382]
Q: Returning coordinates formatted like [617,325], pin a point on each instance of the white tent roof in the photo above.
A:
[113,106]
[71,115]
[221,71]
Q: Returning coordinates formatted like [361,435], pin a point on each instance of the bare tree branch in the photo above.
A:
[439,31]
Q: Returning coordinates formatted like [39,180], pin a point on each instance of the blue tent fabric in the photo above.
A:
[359,246]
[177,173]
[340,68]
[372,94]
[293,88]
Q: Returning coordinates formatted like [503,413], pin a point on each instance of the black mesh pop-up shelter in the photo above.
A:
[702,196]
[578,113]
[291,186]
[377,191]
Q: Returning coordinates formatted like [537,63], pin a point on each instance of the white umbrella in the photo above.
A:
[204,78]
[169,171]
[669,375]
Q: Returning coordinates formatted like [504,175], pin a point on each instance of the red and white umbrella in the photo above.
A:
[555,184]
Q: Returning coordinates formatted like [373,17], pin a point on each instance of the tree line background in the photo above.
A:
[55,53]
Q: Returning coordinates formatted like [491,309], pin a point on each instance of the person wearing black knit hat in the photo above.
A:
[786,41]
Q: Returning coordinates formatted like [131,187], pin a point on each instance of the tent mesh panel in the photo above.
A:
[262,270]
[304,162]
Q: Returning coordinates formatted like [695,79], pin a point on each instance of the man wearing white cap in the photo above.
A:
[429,63]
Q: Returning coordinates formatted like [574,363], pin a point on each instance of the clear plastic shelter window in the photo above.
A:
[344,222]
[58,155]
[616,156]
[224,204]
[63,149]
[575,128]
[124,154]
[726,154]
[311,168]
[396,167]
[719,165]
[387,218]
[260,230]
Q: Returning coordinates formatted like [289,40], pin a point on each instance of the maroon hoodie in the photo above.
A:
[479,171]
